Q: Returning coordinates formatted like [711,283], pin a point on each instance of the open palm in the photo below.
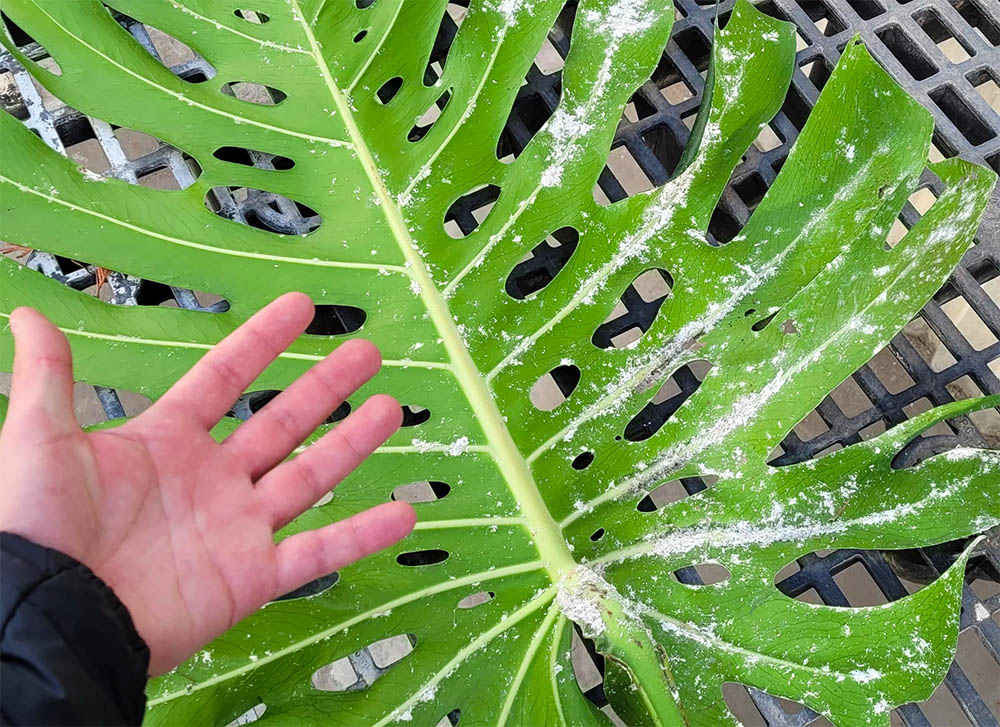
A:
[180,526]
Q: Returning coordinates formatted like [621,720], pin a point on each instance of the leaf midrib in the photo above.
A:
[545,532]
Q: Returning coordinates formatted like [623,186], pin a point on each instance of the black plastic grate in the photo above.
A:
[944,52]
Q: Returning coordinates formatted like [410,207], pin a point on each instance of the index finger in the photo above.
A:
[211,387]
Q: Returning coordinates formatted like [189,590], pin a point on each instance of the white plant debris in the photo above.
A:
[579,596]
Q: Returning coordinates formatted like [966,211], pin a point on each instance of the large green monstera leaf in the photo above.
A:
[802,297]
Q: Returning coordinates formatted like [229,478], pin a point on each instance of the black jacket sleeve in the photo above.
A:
[69,653]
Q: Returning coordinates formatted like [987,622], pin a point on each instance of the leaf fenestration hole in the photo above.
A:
[250,716]
[451,719]
[253,158]
[312,588]
[469,211]
[388,90]
[708,574]
[416,558]
[451,20]
[673,491]
[476,599]
[676,390]
[415,415]
[597,534]
[555,387]
[743,701]
[764,322]
[336,320]
[362,4]
[252,402]
[253,16]
[427,120]
[360,36]
[531,110]
[363,668]
[263,210]
[540,266]
[635,311]
[583,460]
[417,492]
[175,55]
[255,93]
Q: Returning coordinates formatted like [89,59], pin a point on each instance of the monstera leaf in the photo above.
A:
[539,511]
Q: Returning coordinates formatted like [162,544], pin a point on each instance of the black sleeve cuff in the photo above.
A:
[69,652]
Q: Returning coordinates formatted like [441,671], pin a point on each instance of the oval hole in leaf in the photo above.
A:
[742,706]
[674,491]
[388,90]
[582,461]
[597,534]
[363,668]
[672,394]
[253,16]
[360,36]
[635,312]
[415,558]
[476,599]
[427,119]
[702,574]
[764,322]
[336,320]
[312,588]
[555,387]
[469,211]
[530,112]
[252,402]
[263,210]
[250,716]
[451,20]
[417,492]
[362,4]
[255,93]
[415,415]
[175,55]
[253,158]
[451,719]
[540,266]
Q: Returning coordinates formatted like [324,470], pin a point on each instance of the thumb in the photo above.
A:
[42,386]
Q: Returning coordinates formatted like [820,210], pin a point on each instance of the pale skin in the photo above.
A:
[180,526]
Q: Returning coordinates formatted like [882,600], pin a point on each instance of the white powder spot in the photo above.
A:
[981,613]
[459,446]
[579,596]
[863,676]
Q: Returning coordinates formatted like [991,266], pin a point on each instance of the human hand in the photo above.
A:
[179,526]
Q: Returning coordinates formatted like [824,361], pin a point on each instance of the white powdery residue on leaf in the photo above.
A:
[987,456]
[509,8]
[422,445]
[624,18]
[459,446]
[578,599]
[742,533]
[863,676]
[406,197]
